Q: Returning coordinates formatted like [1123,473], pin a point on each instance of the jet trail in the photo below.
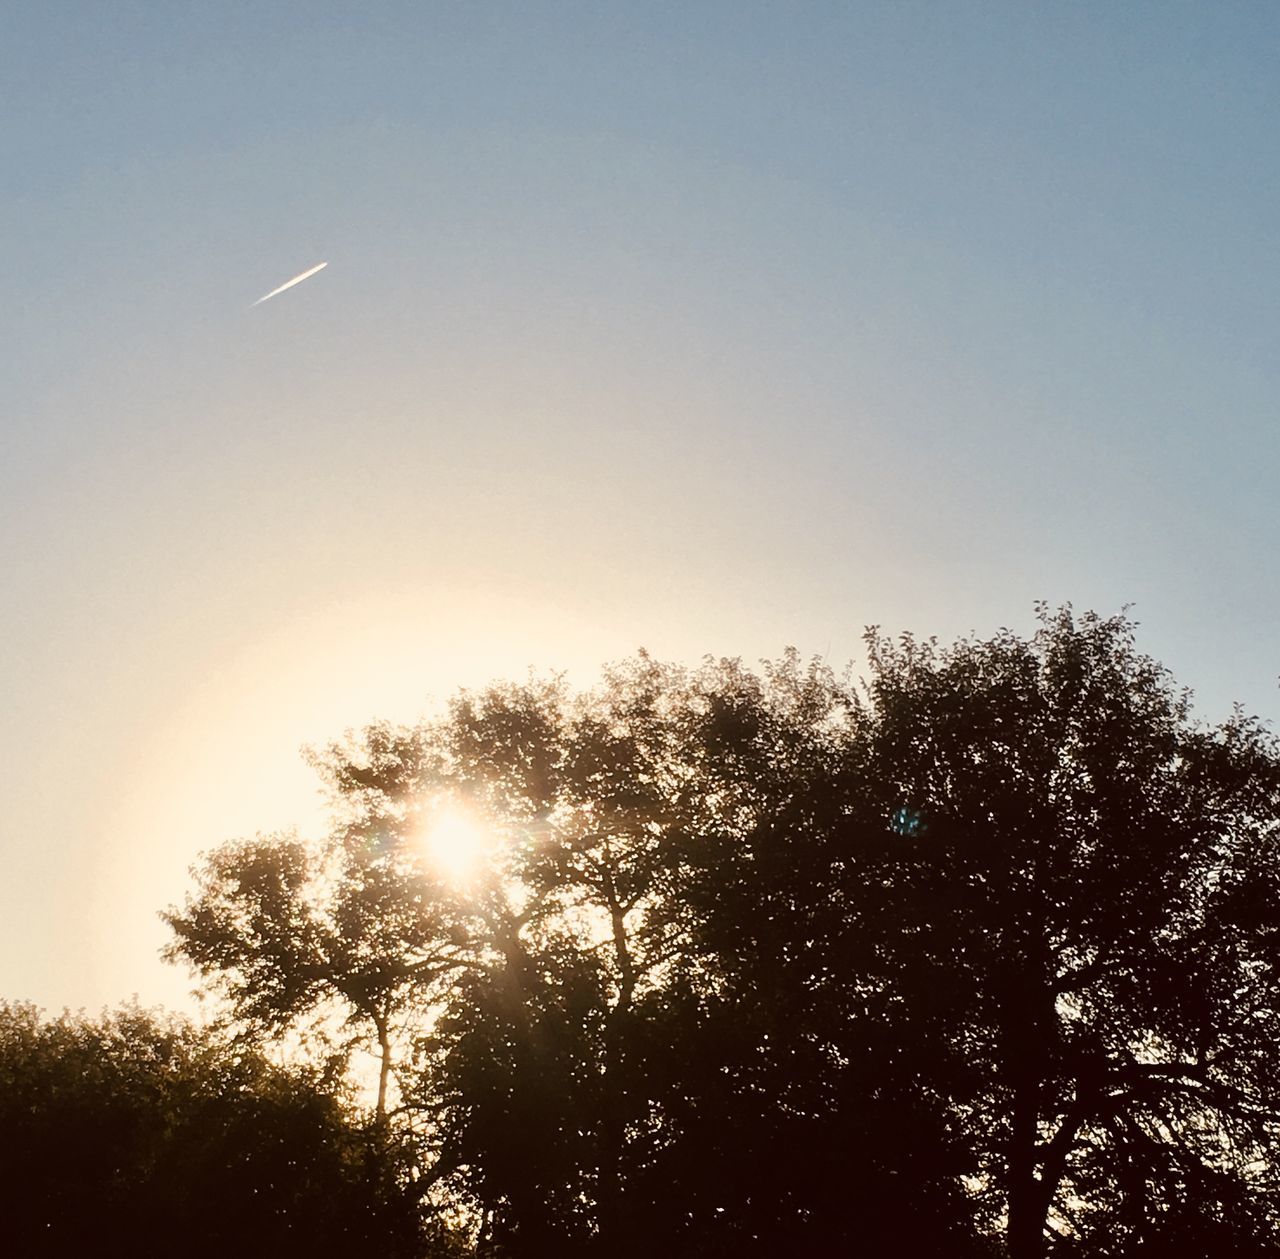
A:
[297,279]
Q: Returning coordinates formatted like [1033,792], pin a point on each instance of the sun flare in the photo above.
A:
[454,841]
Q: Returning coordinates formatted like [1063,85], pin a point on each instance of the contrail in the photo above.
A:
[297,279]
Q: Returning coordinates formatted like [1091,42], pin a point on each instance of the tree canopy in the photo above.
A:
[143,1135]
[976,955]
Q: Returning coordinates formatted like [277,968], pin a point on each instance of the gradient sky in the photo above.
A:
[706,327]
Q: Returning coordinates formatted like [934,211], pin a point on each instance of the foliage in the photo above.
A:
[1080,896]
[135,1134]
[285,932]
[980,952]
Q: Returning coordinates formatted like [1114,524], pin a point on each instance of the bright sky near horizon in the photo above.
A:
[707,327]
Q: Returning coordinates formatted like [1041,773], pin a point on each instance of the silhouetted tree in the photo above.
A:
[805,1105]
[560,1080]
[1079,905]
[139,1135]
[284,930]
[978,954]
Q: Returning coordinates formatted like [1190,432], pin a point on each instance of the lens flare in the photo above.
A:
[455,843]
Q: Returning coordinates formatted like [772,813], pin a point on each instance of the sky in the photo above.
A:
[711,328]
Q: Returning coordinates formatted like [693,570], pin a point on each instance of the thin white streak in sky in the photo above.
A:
[297,279]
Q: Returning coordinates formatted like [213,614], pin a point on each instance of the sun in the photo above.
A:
[454,841]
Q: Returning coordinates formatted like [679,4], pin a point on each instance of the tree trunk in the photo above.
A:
[384,1066]
[613,1128]
[1059,1148]
[1026,1214]
[1030,1021]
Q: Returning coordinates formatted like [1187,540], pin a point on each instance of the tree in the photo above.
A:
[559,1077]
[1086,888]
[137,1134]
[982,946]
[805,1104]
[285,930]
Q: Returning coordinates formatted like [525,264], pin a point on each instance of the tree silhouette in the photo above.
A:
[1086,894]
[977,955]
[134,1134]
[284,930]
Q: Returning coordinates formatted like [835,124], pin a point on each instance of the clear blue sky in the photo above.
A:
[704,327]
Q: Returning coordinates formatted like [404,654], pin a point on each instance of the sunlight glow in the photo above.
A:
[455,842]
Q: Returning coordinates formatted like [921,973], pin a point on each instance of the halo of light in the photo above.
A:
[454,842]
